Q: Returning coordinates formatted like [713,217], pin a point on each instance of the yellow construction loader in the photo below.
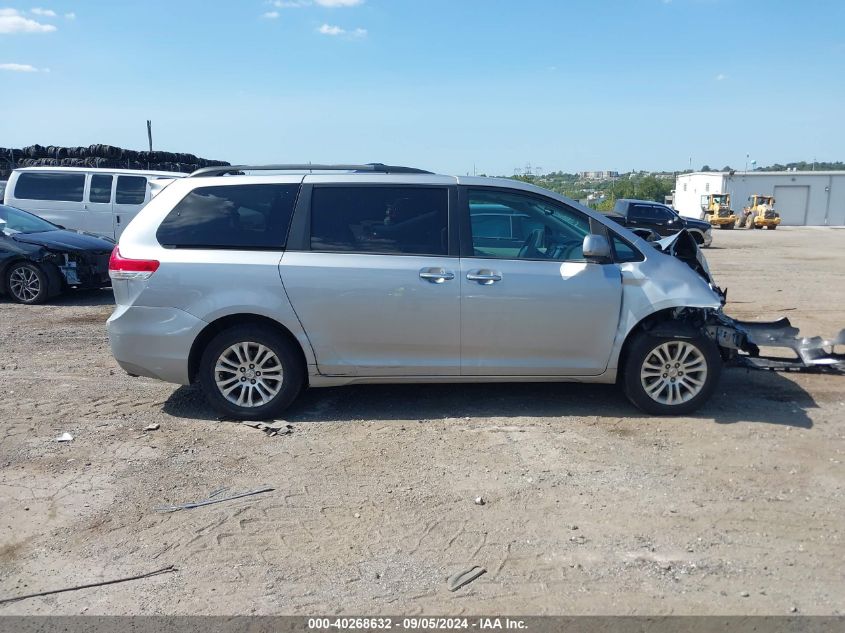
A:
[760,213]
[717,210]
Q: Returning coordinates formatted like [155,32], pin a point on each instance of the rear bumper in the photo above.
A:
[154,342]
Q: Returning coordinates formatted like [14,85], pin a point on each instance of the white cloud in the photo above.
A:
[290,4]
[339,3]
[44,13]
[70,16]
[330,29]
[11,21]
[721,77]
[270,15]
[22,68]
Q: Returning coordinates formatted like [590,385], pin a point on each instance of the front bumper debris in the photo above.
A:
[85,270]
[811,353]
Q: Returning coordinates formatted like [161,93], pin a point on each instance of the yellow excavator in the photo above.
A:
[717,210]
[760,213]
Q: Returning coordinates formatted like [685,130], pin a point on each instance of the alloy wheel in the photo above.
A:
[248,374]
[674,372]
[24,284]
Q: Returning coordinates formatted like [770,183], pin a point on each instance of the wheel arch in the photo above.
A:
[50,270]
[697,235]
[225,322]
[660,323]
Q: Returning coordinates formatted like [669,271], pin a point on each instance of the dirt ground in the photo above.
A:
[589,506]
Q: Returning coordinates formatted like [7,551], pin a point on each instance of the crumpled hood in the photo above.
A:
[683,246]
[65,240]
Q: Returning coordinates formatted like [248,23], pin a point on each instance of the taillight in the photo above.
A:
[121,267]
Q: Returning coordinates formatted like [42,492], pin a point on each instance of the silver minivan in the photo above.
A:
[256,285]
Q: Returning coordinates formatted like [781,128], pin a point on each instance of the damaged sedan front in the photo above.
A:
[39,260]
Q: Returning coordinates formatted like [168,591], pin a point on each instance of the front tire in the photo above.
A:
[251,372]
[26,283]
[671,375]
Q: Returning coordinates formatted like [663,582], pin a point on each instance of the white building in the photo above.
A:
[814,198]
[598,175]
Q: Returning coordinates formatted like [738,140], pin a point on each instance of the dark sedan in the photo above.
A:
[39,260]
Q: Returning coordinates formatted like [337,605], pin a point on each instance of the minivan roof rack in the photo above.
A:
[377,168]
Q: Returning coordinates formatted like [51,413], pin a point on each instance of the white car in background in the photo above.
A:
[98,201]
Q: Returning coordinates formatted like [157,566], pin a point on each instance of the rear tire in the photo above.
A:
[694,367]
[251,372]
[772,227]
[26,283]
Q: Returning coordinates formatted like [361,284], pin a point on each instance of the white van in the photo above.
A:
[100,201]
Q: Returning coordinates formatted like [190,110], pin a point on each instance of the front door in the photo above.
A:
[531,305]
[98,207]
[375,287]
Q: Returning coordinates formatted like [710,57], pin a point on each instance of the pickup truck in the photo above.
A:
[663,220]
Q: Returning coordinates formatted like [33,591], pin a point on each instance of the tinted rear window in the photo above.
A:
[130,190]
[50,186]
[393,220]
[234,217]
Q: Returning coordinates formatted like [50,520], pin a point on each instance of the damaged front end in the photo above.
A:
[83,269]
[741,341]
[810,353]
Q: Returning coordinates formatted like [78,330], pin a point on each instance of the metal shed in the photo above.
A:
[803,198]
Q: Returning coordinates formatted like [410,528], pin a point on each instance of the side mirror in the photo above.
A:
[596,249]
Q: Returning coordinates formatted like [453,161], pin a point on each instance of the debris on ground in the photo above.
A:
[64,437]
[152,427]
[272,429]
[479,501]
[212,499]
[164,570]
[464,578]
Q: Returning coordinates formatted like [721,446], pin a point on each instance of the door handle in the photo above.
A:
[436,275]
[484,277]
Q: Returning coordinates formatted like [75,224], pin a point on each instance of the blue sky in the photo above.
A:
[441,84]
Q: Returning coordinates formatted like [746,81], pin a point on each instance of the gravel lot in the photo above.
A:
[589,507]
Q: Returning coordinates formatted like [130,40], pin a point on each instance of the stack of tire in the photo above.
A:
[98,155]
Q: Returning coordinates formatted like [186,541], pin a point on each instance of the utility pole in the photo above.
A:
[150,134]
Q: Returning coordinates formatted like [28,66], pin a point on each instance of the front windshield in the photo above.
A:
[721,199]
[14,220]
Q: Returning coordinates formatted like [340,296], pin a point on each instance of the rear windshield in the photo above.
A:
[240,217]
[50,186]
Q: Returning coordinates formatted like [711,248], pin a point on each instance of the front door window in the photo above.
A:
[508,225]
